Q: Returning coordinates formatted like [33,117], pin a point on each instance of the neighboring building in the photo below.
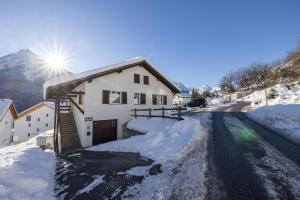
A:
[102,99]
[7,116]
[35,120]
[181,99]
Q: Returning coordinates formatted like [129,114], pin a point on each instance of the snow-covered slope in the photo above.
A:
[285,96]
[26,172]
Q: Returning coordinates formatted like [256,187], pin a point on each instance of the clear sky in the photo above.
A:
[194,42]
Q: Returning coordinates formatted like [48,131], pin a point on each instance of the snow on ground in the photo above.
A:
[282,113]
[180,146]
[26,172]
[180,179]
[165,139]
[285,96]
[284,118]
[98,180]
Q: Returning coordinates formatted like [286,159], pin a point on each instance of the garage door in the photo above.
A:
[104,131]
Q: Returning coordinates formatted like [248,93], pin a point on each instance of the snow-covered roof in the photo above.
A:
[184,95]
[75,79]
[4,106]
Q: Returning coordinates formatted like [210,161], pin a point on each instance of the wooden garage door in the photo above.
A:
[104,131]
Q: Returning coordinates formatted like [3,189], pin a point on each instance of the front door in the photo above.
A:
[104,131]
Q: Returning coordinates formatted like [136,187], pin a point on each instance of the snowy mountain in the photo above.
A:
[204,88]
[22,75]
[182,87]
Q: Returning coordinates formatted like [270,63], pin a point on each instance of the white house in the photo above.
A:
[102,99]
[7,116]
[181,99]
[37,119]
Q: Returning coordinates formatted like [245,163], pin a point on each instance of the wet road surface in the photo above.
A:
[249,161]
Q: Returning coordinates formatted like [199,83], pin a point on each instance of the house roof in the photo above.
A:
[35,107]
[63,85]
[5,105]
[184,95]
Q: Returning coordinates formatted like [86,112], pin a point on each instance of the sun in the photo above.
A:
[56,61]
[55,58]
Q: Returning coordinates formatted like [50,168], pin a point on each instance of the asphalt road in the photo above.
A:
[249,161]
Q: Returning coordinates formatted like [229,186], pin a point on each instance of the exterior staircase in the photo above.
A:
[69,134]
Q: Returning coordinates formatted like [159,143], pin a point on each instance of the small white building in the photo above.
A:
[181,99]
[37,119]
[7,116]
[102,99]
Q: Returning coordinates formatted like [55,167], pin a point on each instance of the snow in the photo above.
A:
[182,87]
[285,96]
[283,117]
[98,180]
[271,166]
[281,114]
[4,105]
[165,139]
[72,77]
[204,88]
[180,179]
[26,172]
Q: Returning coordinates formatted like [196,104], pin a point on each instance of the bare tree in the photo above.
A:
[227,83]
[294,53]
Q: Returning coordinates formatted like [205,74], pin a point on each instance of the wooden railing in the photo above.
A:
[163,110]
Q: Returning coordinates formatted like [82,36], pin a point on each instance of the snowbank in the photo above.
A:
[165,139]
[284,118]
[285,96]
[26,172]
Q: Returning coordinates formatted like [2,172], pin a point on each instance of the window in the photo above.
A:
[136,78]
[47,115]
[38,119]
[28,118]
[46,124]
[159,99]
[139,98]
[37,129]
[28,134]
[114,97]
[146,80]
[29,125]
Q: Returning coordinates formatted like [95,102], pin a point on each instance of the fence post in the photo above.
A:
[149,112]
[163,112]
[179,113]
[135,113]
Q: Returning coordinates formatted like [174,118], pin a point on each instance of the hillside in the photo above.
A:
[22,75]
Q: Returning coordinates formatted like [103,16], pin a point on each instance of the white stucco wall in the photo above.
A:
[180,100]
[6,126]
[22,128]
[123,82]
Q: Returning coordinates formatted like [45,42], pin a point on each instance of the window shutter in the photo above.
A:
[154,99]
[143,98]
[165,99]
[105,97]
[124,97]
[80,99]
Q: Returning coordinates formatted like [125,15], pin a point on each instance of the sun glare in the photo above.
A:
[56,61]
[55,57]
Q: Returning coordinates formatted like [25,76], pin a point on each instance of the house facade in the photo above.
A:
[102,99]
[181,99]
[7,116]
[33,121]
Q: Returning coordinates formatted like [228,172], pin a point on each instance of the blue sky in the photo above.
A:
[194,42]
